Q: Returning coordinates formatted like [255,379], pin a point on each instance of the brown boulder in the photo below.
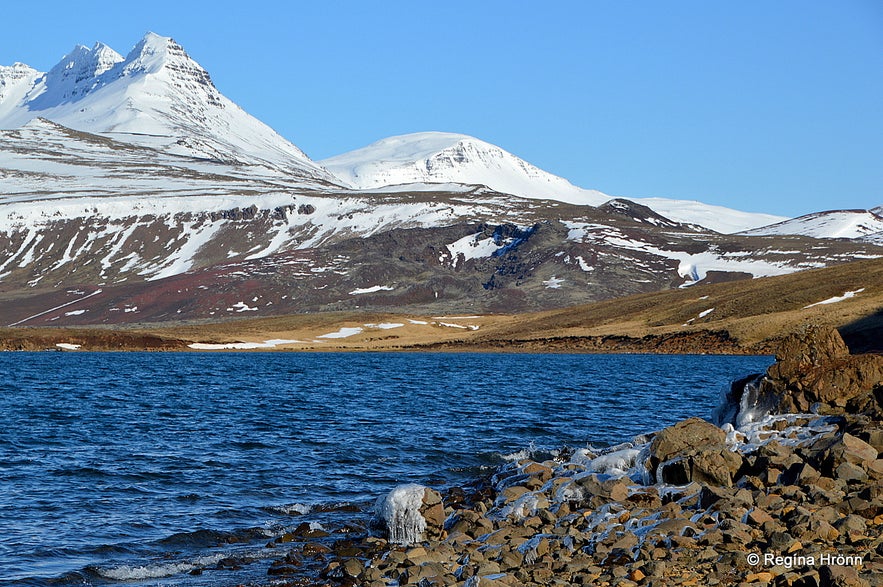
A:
[684,437]
[693,450]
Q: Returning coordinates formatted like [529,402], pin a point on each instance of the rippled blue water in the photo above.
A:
[144,465]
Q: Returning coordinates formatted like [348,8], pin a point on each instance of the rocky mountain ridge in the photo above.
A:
[157,96]
[437,157]
[147,196]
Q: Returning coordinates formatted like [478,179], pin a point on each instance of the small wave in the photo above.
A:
[251,445]
[158,570]
[289,509]
[531,452]
[210,538]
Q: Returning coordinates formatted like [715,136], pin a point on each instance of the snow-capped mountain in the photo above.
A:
[156,96]
[852,224]
[132,190]
[437,157]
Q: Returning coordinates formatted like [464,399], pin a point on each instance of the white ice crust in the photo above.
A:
[399,510]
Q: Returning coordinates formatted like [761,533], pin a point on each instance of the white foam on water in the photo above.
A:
[294,508]
[159,570]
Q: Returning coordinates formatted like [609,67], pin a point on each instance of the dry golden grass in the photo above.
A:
[752,315]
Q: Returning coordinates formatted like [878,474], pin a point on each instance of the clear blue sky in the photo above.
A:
[758,105]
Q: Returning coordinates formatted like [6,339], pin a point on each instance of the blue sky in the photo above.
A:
[763,106]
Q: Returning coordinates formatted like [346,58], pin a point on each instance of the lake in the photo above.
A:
[157,468]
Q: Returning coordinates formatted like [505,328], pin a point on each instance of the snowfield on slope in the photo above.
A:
[439,157]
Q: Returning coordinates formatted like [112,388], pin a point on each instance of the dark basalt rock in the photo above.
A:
[813,372]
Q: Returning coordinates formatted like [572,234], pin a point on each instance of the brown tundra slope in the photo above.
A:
[746,316]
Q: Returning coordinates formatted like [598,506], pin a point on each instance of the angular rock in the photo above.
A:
[684,437]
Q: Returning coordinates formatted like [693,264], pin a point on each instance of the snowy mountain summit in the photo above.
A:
[438,157]
[156,96]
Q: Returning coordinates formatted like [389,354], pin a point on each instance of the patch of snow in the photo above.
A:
[241,307]
[553,282]
[471,247]
[385,325]
[851,224]
[75,312]
[344,332]
[68,346]
[583,265]
[455,317]
[705,313]
[267,344]
[66,304]
[372,289]
[835,299]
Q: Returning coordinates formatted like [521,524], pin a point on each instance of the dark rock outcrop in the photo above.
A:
[813,372]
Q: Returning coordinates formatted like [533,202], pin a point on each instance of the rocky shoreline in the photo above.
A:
[786,488]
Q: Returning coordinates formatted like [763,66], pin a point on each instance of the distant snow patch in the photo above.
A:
[553,283]
[423,322]
[835,299]
[241,346]
[345,332]
[242,307]
[385,325]
[67,346]
[705,313]
[583,265]
[75,312]
[471,247]
[452,325]
[372,289]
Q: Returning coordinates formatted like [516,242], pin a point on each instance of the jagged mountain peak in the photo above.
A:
[157,96]
[77,74]
[15,81]
[154,54]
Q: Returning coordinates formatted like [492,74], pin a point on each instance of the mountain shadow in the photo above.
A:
[864,335]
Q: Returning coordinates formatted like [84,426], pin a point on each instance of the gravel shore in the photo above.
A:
[785,488]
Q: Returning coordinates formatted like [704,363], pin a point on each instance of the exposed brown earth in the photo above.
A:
[747,316]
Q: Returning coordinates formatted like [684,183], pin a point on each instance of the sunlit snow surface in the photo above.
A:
[692,266]
[157,96]
[835,299]
[834,224]
[438,157]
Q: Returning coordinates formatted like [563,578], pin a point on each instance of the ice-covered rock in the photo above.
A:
[410,513]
